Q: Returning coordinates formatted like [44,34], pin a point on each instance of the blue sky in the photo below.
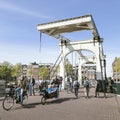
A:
[20,40]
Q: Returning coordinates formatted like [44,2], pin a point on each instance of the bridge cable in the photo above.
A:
[40,41]
[54,65]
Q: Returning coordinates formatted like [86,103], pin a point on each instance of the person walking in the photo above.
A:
[31,86]
[97,89]
[86,87]
[111,83]
[76,87]
[68,85]
[60,83]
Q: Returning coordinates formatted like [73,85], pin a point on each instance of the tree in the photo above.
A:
[116,66]
[68,67]
[43,73]
[16,71]
[5,70]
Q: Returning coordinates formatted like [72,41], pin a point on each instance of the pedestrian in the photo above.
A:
[31,86]
[86,87]
[56,82]
[68,85]
[97,88]
[60,83]
[76,87]
[40,85]
[111,83]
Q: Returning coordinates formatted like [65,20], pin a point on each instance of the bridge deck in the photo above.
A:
[66,108]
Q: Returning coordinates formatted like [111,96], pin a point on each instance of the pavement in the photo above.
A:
[67,107]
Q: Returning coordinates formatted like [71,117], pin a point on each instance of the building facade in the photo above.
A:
[33,69]
[116,69]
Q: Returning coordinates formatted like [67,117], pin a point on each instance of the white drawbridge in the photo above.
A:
[57,28]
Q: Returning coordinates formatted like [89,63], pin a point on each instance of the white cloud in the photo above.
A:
[14,8]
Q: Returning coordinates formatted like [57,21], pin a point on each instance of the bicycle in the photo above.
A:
[11,97]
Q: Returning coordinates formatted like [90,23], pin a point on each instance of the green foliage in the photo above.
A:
[43,73]
[30,71]
[9,71]
[116,67]
[68,67]
[16,70]
[5,70]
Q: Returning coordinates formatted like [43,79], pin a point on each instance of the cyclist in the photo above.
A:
[22,86]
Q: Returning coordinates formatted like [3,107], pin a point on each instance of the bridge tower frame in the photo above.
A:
[57,28]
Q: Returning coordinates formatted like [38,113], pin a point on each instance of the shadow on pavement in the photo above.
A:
[31,105]
[48,102]
[57,101]
[60,100]
[28,106]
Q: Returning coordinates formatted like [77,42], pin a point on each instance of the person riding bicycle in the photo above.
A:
[22,86]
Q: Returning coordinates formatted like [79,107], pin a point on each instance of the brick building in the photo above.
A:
[116,69]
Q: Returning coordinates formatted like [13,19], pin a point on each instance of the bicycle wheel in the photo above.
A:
[8,103]
[25,100]
[43,100]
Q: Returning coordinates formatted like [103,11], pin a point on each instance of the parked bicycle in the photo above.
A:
[11,97]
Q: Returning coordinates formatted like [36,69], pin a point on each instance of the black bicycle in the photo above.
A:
[11,97]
